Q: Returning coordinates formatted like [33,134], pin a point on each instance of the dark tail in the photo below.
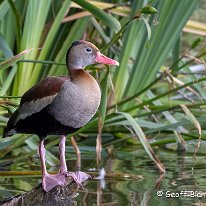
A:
[8,133]
[10,129]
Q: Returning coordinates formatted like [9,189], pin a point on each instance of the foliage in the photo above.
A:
[148,87]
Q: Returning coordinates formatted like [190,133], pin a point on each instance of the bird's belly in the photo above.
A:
[75,106]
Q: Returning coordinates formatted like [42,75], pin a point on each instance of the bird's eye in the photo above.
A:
[88,50]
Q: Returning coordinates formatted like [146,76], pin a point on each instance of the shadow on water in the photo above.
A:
[131,179]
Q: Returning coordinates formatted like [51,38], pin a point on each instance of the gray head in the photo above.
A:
[83,53]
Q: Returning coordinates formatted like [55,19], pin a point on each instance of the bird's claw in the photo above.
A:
[51,181]
[78,177]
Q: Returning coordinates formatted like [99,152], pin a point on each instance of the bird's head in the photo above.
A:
[83,53]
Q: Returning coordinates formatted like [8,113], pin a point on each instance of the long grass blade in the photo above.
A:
[11,61]
[193,119]
[107,19]
[143,140]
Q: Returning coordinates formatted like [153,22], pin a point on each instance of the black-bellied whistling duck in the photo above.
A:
[60,106]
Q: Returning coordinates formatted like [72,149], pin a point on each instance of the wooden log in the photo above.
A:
[37,197]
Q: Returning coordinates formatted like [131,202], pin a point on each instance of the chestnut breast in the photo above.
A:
[77,101]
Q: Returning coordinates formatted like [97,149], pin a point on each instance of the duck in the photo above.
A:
[61,105]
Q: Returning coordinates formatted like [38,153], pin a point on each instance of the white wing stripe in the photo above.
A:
[29,108]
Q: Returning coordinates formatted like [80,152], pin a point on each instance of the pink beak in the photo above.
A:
[101,59]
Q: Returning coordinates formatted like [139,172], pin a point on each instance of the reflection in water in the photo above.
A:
[123,182]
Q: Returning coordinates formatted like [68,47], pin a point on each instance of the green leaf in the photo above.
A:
[107,19]
[22,184]
[196,42]
[138,131]
[147,27]
[148,60]
[5,47]
[193,119]
[149,10]
[103,105]
[10,62]
[18,21]
[36,75]
[9,75]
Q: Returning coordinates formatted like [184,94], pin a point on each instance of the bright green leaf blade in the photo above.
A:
[107,19]
[36,74]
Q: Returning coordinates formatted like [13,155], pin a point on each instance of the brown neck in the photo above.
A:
[77,74]
[84,80]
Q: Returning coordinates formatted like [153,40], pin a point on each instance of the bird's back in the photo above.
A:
[32,105]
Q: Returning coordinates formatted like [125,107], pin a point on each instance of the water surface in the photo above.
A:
[183,184]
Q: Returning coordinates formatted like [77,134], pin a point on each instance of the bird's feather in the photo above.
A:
[38,97]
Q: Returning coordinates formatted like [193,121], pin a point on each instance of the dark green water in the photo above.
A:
[183,184]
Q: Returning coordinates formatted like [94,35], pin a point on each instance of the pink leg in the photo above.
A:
[48,181]
[42,157]
[63,165]
[78,176]
[51,181]
[98,148]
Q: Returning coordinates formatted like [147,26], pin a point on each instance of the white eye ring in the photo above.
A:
[88,50]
